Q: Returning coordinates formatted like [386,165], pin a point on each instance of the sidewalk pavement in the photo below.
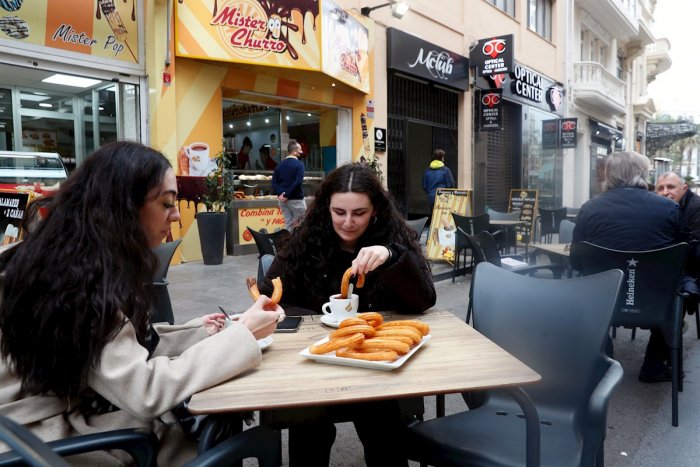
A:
[639,434]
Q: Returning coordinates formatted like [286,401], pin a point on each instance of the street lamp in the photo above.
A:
[398,8]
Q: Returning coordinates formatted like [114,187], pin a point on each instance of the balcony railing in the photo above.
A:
[618,17]
[596,87]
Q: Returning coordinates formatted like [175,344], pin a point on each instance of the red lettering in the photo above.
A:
[226,17]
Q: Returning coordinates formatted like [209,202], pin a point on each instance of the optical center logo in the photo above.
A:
[494,48]
[438,64]
[568,126]
[247,29]
[490,100]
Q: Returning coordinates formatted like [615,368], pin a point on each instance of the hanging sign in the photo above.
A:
[559,133]
[493,55]
[567,132]
[490,110]
[441,241]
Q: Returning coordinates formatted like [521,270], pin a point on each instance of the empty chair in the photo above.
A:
[163,311]
[566,231]
[649,298]
[268,243]
[550,219]
[470,226]
[417,226]
[503,235]
[557,328]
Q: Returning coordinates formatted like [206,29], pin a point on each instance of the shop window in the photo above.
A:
[540,17]
[6,121]
[506,5]
[542,167]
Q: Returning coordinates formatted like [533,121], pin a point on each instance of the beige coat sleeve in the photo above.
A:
[148,388]
[175,339]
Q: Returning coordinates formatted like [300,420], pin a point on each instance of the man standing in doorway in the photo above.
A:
[287,181]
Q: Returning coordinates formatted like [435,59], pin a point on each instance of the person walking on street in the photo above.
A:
[437,176]
[287,181]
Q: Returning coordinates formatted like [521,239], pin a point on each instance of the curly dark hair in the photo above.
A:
[69,284]
[312,245]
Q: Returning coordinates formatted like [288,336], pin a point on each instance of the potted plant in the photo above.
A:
[212,223]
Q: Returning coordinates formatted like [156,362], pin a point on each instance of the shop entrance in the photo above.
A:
[72,115]
[422,117]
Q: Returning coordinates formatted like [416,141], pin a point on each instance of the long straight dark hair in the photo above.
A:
[67,288]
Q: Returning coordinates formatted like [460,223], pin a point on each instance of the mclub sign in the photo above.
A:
[493,55]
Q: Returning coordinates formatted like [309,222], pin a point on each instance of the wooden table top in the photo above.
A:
[457,358]
[556,248]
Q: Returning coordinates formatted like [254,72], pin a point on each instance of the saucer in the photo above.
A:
[265,342]
[329,321]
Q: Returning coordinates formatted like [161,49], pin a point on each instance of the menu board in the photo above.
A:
[12,207]
[441,241]
[526,202]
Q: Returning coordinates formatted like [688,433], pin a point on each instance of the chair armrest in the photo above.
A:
[260,442]
[141,445]
[26,447]
[594,424]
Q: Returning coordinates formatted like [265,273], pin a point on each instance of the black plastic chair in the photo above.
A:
[566,231]
[163,311]
[470,226]
[268,243]
[417,225]
[550,219]
[559,329]
[650,297]
[505,237]
[142,445]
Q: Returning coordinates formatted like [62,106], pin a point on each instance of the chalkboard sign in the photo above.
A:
[12,207]
[526,202]
[441,241]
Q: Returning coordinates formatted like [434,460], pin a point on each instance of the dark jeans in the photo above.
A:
[378,424]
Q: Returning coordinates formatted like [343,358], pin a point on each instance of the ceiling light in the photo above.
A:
[45,104]
[68,80]
[32,97]
[101,108]
[230,125]
[308,114]
[248,123]
[267,120]
[287,117]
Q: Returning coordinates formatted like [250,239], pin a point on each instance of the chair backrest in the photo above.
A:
[489,247]
[651,282]
[557,328]
[550,220]
[416,225]
[268,243]
[263,265]
[470,226]
[566,231]
[473,245]
[164,252]
[503,216]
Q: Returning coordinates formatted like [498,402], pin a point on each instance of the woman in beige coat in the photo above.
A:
[79,354]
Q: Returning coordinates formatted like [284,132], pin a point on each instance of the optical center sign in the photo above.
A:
[411,55]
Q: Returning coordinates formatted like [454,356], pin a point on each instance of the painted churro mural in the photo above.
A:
[443,233]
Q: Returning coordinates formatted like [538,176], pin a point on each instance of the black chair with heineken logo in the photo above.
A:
[650,297]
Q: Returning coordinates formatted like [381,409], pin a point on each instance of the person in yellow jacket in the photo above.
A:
[438,175]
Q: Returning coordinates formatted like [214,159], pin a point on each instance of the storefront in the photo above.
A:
[71,79]
[425,85]
[512,154]
[604,140]
[248,77]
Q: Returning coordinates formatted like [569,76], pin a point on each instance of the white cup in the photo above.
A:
[198,154]
[340,309]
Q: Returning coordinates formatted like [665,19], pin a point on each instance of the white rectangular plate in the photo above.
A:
[388,366]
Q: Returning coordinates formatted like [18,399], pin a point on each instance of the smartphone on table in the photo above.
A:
[289,324]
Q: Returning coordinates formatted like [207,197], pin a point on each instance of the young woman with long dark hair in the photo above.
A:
[79,354]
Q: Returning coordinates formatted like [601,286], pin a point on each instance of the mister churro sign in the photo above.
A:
[100,30]
[283,33]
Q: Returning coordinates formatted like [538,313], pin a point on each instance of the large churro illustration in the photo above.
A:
[365,134]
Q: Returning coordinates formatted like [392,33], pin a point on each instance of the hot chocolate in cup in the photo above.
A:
[198,154]
[340,309]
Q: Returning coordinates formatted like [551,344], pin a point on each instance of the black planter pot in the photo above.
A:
[212,236]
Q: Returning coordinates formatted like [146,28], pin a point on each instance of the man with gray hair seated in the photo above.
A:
[627,216]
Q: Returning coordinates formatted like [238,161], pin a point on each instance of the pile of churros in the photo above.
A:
[368,337]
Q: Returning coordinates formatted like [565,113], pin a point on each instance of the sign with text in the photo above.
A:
[559,133]
[490,110]
[345,47]
[567,132]
[493,55]
[263,219]
[104,30]
[550,134]
[443,233]
[379,139]
[12,207]
[259,32]
[525,201]
[412,55]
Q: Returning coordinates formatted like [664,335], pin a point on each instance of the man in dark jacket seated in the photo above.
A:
[627,216]
[672,186]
